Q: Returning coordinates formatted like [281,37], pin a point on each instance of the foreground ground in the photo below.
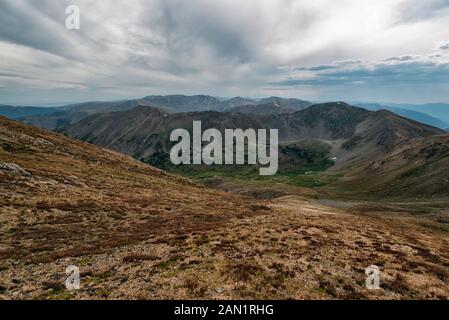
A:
[136,232]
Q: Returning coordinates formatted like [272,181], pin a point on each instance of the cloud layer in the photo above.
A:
[384,50]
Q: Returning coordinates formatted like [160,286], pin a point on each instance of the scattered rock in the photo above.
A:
[404,249]
[29,288]
[257,207]
[212,182]
[219,290]
[14,169]
[42,142]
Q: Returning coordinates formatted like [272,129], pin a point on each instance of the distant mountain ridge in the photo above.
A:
[414,115]
[182,103]
[437,110]
[56,118]
[60,117]
[14,112]
[261,109]
[234,103]
[352,134]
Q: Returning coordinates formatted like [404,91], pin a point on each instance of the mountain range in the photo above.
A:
[350,134]
[331,136]
[60,117]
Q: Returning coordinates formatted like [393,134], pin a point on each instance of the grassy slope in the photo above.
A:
[415,170]
[90,200]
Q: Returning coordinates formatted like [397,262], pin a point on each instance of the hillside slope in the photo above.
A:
[52,185]
[416,168]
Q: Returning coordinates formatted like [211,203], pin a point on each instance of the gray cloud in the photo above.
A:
[382,74]
[224,47]
[415,10]
[444,46]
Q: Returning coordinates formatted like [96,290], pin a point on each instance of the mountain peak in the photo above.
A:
[336,108]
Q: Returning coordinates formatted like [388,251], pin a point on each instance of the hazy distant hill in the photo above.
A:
[182,103]
[261,109]
[13,112]
[272,105]
[414,115]
[234,103]
[64,116]
[70,114]
[73,113]
[437,110]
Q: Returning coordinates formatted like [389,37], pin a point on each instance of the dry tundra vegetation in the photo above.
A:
[137,232]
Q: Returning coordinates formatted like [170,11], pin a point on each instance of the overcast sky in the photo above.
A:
[373,50]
